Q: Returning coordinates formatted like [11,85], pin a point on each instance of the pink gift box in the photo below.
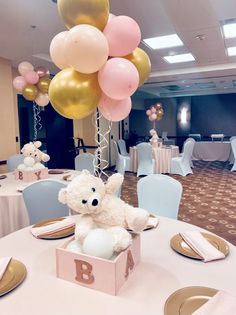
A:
[31,176]
[96,273]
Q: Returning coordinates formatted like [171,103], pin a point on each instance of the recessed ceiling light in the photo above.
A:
[161,42]
[179,58]
[229,30]
[231,51]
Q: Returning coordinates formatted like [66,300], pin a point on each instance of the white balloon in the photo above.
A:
[25,67]
[74,246]
[29,161]
[42,99]
[98,243]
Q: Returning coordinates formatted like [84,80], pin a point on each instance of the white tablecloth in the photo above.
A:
[13,212]
[161,155]
[161,272]
[211,151]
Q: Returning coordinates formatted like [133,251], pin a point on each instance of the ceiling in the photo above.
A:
[212,72]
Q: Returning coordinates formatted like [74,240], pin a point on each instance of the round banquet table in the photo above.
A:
[162,156]
[13,212]
[160,272]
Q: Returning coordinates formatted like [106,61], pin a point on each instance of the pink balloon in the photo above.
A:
[57,50]
[25,67]
[118,78]
[154,116]
[123,35]
[42,72]
[19,83]
[31,77]
[153,110]
[42,99]
[148,112]
[114,110]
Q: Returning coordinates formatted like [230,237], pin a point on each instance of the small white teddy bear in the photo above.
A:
[33,157]
[154,138]
[100,208]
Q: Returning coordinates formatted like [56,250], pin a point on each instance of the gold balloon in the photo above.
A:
[92,12]
[142,62]
[74,95]
[43,85]
[160,114]
[30,92]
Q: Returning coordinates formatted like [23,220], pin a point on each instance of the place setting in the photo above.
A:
[197,300]
[54,228]
[12,274]
[200,245]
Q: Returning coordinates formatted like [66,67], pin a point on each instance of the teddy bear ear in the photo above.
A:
[37,144]
[62,195]
[45,157]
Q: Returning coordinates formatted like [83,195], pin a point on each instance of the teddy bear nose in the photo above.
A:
[94,202]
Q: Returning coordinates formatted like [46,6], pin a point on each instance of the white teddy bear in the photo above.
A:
[100,208]
[154,138]
[33,157]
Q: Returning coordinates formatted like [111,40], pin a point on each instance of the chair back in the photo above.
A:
[232,138]
[160,194]
[14,161]
[164,135]
[188,150]
[233,146]
[144,155]
[85,161]
[41,200]
[122,147]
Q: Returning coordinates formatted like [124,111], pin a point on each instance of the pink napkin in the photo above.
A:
[220,304]
[52,228]
[3,265]
[201,246]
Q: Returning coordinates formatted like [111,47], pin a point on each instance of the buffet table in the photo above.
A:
[211,150]
[161,272]
[162,156]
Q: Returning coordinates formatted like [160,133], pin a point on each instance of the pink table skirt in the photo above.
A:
[161,155]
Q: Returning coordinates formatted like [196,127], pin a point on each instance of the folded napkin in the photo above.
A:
[53,228]
[4,261]
[152,222]
[220,304]
[201,246]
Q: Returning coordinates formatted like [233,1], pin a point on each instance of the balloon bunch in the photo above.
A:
[33,83]
[100,61]
[155,112]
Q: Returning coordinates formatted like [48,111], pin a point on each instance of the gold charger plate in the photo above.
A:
[56,171]
[187,300]
[179,245]
[59,234]
[13,276]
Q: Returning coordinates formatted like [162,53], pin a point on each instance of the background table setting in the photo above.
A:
[13,212]
[162,156]
[153,288]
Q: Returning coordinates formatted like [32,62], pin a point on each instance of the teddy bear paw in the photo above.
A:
[121,238]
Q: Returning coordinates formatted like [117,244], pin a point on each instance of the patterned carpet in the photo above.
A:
[208,201]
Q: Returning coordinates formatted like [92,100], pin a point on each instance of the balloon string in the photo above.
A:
[37,120]
[100,163]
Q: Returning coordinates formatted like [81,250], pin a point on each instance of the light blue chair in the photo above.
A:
[233,147]
[85,161]
[41,200]
[121,160]
[182,165]
[122,147]
[14,161]
[160,195]
[145,160]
